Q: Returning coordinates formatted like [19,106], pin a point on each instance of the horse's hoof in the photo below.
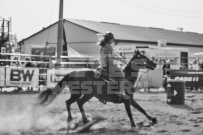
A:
[69,119]
[86,121]
[133,126]
[154,121]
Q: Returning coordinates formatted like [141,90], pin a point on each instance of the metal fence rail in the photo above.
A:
[48,76]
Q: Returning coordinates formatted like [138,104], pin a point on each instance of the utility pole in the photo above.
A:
[60,34]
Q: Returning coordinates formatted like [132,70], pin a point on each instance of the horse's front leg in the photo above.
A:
[138,107]
[127,101]
[81,102]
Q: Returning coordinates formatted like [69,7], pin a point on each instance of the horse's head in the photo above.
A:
[138,61]
[141,61]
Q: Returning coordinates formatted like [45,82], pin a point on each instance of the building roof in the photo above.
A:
[142,34]
[130,33]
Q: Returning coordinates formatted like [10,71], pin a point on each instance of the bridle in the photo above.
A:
[143,63]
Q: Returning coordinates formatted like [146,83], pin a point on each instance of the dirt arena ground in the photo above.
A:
[19,116]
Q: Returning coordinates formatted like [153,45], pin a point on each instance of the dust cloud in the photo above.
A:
[17,119]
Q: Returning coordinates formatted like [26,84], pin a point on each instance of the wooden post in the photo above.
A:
[60,34]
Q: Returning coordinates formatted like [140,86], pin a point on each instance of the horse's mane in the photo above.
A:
[128,67]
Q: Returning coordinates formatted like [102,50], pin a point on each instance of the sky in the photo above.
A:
[30,16]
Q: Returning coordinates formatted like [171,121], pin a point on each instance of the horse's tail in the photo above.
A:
[47,96]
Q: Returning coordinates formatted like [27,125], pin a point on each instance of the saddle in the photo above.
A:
[104,75]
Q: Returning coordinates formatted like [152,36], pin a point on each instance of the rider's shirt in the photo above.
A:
[109,56]
[106,53]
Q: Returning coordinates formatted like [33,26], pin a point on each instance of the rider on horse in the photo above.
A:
[107,57]
[80,93]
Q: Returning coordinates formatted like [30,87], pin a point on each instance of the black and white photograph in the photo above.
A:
[105,67]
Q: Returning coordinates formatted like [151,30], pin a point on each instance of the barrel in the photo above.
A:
[175,92]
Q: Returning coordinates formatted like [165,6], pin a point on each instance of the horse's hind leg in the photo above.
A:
[81,102]
[138,107]
[73,98]
[126,100]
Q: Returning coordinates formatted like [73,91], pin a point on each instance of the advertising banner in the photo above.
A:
[126,48]
[192,78]
[2,76]
[55,75]
[22,77]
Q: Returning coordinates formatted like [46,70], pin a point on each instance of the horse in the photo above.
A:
[86,84]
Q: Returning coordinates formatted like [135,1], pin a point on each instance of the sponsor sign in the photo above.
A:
[22,77]
[55,75]
[128,48]
[192,78]
[2,76]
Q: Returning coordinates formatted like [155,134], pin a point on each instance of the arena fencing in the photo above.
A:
[40,77]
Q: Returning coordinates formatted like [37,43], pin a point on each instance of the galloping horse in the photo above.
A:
[86,84]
